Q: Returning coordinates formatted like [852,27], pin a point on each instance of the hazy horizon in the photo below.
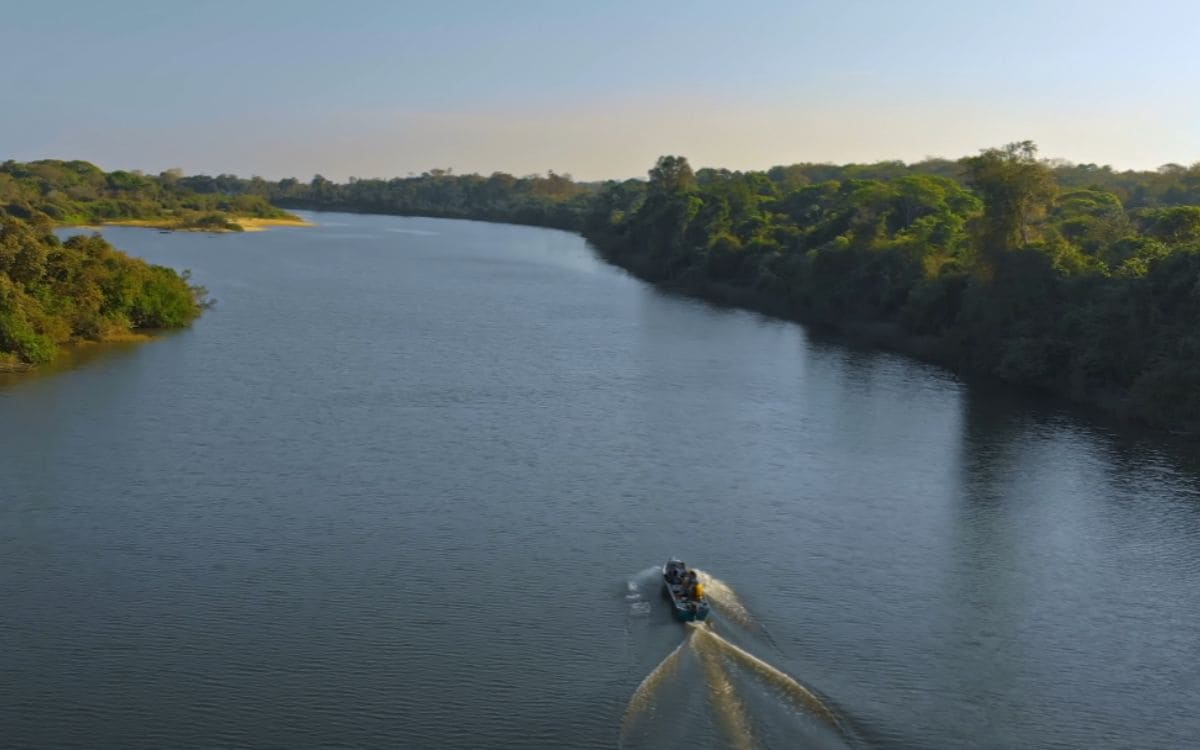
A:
[375,89]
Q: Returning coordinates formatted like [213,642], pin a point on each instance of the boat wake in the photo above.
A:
[643,697]
[800,695]
[639,605]
[730,710]
[725,599]
[706,657]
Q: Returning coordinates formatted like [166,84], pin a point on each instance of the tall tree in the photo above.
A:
[671,174]
[1017,190]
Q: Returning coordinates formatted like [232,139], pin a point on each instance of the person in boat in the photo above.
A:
[697,590]
[689,582]
[677,573]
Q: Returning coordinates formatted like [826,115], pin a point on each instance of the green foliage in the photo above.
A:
[54,292]
[1016,190]
[1076,279]
[553,200]
[76,192]
[211,221]
[17,332]
[1176,224]
[672,174]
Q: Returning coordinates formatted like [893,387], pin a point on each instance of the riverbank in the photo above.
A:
[539,374]
[73,355]
[83,289]
[174,224]
[69,354]
[892,335]
[959,351]
[9,363]
[1083,293]
[254,224]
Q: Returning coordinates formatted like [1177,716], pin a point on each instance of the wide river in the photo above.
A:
[404,486]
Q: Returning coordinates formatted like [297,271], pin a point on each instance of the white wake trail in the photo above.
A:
[725,599]
[730,710]
[643,697]
[781,680]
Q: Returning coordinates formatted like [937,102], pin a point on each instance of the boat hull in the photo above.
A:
[684,609]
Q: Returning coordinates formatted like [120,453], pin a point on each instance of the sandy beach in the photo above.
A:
[247,223]
[259,225]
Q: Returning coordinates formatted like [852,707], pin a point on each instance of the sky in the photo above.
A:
[384,88]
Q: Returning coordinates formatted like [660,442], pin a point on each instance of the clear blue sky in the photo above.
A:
[376,88]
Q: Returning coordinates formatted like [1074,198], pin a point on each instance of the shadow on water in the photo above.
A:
[747,701]
[1000,422]
[1067,533]
[76,356]
[995,406]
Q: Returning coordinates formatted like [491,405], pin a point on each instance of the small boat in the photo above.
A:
[687,609]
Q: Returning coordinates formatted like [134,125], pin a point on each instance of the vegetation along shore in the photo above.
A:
[1074,279]
[55,292]
[78,193]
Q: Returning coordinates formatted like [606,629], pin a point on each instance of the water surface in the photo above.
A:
[403,485]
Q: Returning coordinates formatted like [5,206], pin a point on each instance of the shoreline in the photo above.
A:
[255,224]
[9,366]
[887,336]
[71,354]
[247,224]
[881,335]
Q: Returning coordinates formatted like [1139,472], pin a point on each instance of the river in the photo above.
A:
[403,487]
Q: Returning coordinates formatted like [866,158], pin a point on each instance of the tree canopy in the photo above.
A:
[1073,278]
[1064,277]
[53,292]
[78,192]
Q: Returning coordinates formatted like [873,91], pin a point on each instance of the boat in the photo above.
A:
[686,608]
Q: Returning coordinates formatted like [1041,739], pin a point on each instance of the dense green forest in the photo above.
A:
[53,292]
[1006,268]
[1074,279]
[78,192]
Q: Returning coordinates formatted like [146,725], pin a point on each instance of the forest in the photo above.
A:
[1074,279]
[80,193]
[54,292]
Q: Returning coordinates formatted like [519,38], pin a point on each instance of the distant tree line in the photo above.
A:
[1075,279]
[552,200]
[78,192]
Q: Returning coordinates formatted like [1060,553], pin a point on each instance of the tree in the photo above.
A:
[1016,189]
[1176,224]
[671,174]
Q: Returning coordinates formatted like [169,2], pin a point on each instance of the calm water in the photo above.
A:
[402,486]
